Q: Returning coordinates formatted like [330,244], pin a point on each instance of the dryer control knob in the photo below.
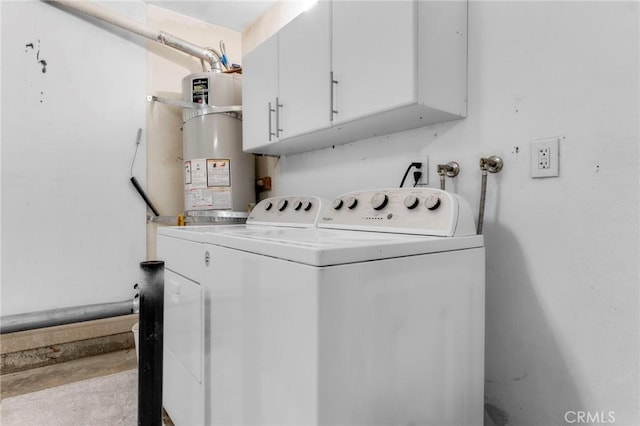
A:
[411,202]
[379,201]
[352,202]
[432,202]
[297,205]
[306,205]
[337,204]
[282,204]
[268,205]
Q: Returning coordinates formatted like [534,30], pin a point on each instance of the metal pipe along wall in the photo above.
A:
[126,23]
[53,317]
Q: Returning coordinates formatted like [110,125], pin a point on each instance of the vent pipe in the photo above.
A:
[208,54]
[61,316]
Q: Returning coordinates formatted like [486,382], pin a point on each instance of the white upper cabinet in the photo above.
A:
[287,92]
[304,72]
[259,93]
[349,70]
[374,57]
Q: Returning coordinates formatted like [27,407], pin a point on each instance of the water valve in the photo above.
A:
[492,164]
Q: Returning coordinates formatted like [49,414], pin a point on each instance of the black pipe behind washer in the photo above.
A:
[150,344]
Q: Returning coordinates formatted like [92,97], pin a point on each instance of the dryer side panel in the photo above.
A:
[260,340]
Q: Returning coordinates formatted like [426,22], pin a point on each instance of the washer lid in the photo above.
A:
[322,247]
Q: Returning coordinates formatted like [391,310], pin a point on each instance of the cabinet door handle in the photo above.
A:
[270,130]
[278,106]
[333,83]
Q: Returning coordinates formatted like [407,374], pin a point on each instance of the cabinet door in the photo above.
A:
[374,56]
[260,81]
[304,72]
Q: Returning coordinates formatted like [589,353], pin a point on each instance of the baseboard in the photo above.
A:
[44,346]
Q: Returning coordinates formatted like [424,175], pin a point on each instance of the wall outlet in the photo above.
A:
[545,158]
[424,178]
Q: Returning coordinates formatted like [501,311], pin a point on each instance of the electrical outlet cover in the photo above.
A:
[545,157]
[424,179]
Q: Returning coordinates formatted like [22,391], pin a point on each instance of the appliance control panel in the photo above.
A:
[422,211]
[299,211]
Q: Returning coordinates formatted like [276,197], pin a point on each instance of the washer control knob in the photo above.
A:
[306,205]
[411,202]
[379,201]
[337,204]
[432,202]
[268,205]
[282,204]
[352,202]
[297,205]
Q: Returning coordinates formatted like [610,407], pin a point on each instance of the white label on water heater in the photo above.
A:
[221,198]
[198,173]
[218,173]
[207,184]
[198,199]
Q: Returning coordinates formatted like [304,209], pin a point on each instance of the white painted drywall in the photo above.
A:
[73,227]
[562,319]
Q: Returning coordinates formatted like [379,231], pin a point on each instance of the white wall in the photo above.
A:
[562,318]
[73,228]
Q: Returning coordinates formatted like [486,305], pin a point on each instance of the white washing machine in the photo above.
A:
[187,321]
[376,317]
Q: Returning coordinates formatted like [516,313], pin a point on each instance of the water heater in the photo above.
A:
[219,178]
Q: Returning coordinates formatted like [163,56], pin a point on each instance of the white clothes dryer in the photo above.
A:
[186,371]
[375,317]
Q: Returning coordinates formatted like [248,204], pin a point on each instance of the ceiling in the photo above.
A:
[233,14]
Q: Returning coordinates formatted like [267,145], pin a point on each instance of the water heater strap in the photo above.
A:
[235,111]
[199,109]
[176,102]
